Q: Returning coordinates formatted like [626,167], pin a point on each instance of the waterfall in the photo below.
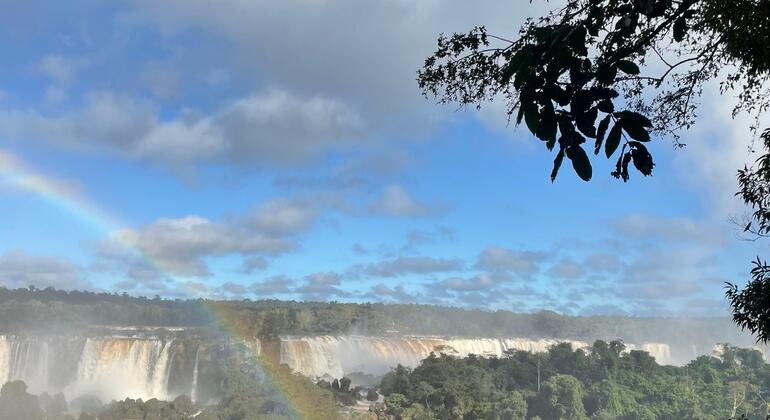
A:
[194,390]
[25,359]
[5,359]
[116,368]
[660,351]
[162,369]
[334,357]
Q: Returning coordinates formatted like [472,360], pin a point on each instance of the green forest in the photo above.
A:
[603,383]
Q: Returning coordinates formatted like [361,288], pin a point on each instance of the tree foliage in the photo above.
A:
[606,382]
[615,72]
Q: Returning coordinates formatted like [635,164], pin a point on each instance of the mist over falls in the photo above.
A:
[116,367]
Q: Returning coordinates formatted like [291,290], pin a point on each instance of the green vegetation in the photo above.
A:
[603,383]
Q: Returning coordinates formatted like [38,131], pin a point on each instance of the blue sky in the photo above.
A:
[282,149]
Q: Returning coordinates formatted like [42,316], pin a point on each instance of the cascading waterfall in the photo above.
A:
[25,359]
[116,368]
[660,351]
[194,388]
[334,357]
[5,359]
[105,367]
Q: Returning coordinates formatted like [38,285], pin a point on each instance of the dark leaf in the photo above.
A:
[603,125]
[531,116]
[613,140]
[680,29]
[580,162]
[585,122]
[557,164]
[628,67]
[642,158]
[606,74]
[546,129]
[577,40]
[581,102]
[565,124]
[598,93]
[636,117]
[624,171]
[636,131]
[607,106]
[556,93]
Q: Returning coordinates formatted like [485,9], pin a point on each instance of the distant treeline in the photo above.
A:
[31,309]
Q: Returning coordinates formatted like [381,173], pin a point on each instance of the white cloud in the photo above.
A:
[602,262]
[398,293]
[475,283]
[351,51]
[495,258]
[645,226]
[19,269]
[62,70]
[252,264]
[180,246]
[233,289]
[283,217]
[180,142]
[567,269]
[321,286]
[396,201]
[408,265]
[162,78]
[271,286]
[281,128]
[272,128]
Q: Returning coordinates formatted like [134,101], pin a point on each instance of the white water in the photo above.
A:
[120,367]
[334,357]
[660,351]
[194,388]
[108,368]
[26,360]
[116,368]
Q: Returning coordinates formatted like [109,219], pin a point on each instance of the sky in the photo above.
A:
[272,149]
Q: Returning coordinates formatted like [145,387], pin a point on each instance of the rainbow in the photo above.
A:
[66,196]
[15,173]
